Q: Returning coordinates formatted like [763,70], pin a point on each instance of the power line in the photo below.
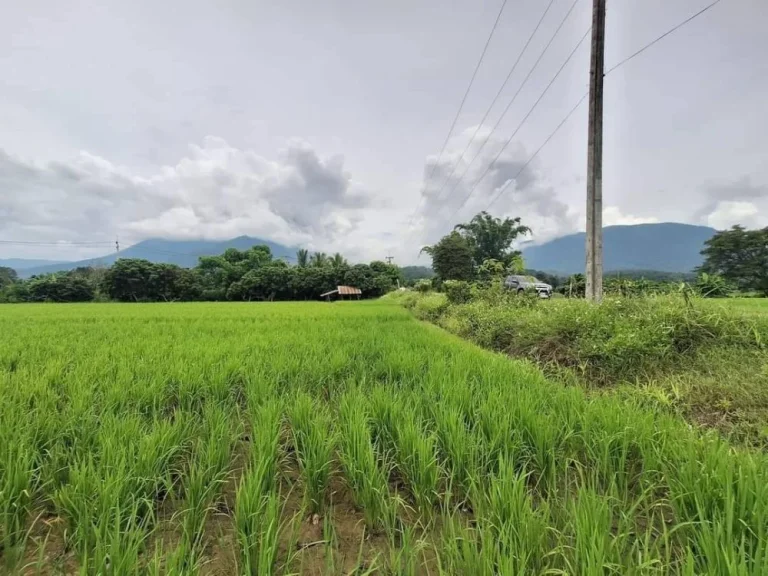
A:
[464,98]
[535,154]
[667,33]
[522,122]
[496,98]
[583,97]
[514,98]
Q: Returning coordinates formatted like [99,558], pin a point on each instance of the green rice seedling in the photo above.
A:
[314,440]
[206,474]
[613,449]
[542,441]
[404,550]
[330,544]
[119,541]
[467,549]
[266,430]
[176,561]
[416,458]
[363,567]
[361,467]
[18,479]
[201,486]
[723,497]
[382,405]
[457,447]
[257,502]
[520,529]
[594,544]
[257,519]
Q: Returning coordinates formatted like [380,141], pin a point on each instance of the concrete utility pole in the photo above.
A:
[389,259]
[595,156]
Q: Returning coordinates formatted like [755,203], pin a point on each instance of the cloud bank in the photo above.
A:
[456,188]
[216,191]
[302,198]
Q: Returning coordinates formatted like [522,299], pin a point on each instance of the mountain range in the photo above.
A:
[183,253]
[666,247]
[20,264]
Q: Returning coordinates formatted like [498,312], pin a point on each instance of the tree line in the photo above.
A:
[735,261]
[235,275]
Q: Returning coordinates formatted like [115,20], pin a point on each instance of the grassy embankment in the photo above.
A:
[706,360]
[339,439]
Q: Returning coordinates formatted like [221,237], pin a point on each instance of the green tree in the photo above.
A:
[338,261]
[740,256]
[319,259]
[308,283]
[7,276]
[128,280]
[491,270]
[361,276]
[492,238]
[391,271]
[302,257]
[452,257]
[66,287]
[271,282]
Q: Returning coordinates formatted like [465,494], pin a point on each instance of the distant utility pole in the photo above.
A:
[389,259]
[594,274]
[117,244]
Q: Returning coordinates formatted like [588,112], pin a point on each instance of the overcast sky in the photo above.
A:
[317,123]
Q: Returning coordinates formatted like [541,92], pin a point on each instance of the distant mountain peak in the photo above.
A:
[664,247]
[183,253]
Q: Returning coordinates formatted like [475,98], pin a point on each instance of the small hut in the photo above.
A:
[343,293]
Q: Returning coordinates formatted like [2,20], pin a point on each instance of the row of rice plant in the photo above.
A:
[128,433]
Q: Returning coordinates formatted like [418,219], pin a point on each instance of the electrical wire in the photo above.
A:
[463,101]
[535,154]
[584,96]
[495,98]
[520,125]
[667,33]
[514,98]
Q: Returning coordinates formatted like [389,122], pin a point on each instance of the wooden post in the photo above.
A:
[594,275]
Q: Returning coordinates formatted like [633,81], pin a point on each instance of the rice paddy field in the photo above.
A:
[747,305]
[344,438]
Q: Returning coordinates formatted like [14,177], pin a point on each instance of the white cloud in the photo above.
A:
[217,191]
[727,214]
[613,216]
[510,187]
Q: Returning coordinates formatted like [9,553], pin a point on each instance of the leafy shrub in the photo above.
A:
[457,291]
[712,286]
[620,340]
[423,285]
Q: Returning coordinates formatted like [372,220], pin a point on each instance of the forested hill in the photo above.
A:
[184,253]
[666,247]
